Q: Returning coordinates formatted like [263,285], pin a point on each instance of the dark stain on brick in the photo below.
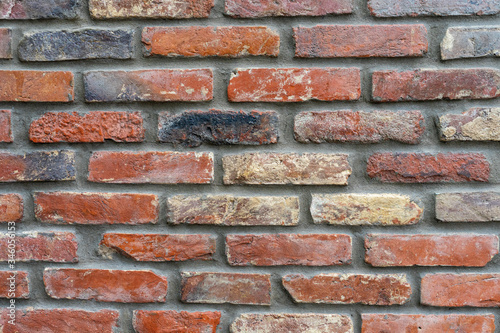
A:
[39,9]
[50,166]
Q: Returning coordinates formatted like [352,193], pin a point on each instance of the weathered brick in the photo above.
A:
[36,86]
[364,209]
[281,168]
[221,288]
[230,41]
[5,43]
[294,84]
[471,250]
[40,246]
[391,8]
[359,126]
[428,168]
[376,323]
[166,9]
[38,166]
[288,249]
[105,285]
[11,207]
[380,289]
[465,42]
[292,323]
[151,167]
[94,126]
[14,284]
[36,9]
[95,208]
[454,290]
[173,321]
[435,84]
[476,124]
[229,210]
[155,247]
[76,45]
[158,85]
[263,8]
[5,126]
[331,41]
[468,207]
[192,128]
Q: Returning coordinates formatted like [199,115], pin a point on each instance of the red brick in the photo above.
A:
[392,8]
[151,167]
[14,284]
[61,321]
[432,84]
[230,41]
[5,43]
[381,289]
[427,168]
[95,208]
[11,207]
[294,84]
[180,9]
[377,323]
[454,290]
[221,288]
[41,246]
[331,41]
[288,249]
[5,126]
[105,285]
[176,322]
[430,250]
[36,86]
[263,8]
[91,127]
[155,247]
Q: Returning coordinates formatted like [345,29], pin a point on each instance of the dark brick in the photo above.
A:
[263,8]
[464,42]
[39,9]
[391,8]
[468,207]
[5,126]
[5,43]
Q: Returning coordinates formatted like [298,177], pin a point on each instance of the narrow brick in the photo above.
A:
[5,126]
[476,124]
[380,289]
[469,250]
[94,126]
[38,166]
[41,246]
[76,45]
[161,9]
[454,290]
[156,247]
[151,167]
[198,41]
[222,288]
[428,168]
[263,8]
[14,284]
[229,210]
[280,169]
[435,84]
[364,209]
[294,84]
[331,41]
[288,249]
[173,321]
[36,86]
[157,85]
[192,128]
[394,8]
[292,323]
[5,43]
[11,207]
[36,9]
[105,285]
[376,323]
[359,126]
[465,42]
[468,207]
[96,208]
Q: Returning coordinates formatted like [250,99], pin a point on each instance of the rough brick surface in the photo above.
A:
[173,321]
[476,124]
[36,9]
[220,288]
[427,168]
[468,207]
[232,41]
[151,167]
[11,207]
[465,42]
[294,84]
[349,289]
[36,86]
[5,43]
[282,168]
[14,284]
[263,8]
[217,127]
[288,249]
[105,285]
[392,8]
[5,126]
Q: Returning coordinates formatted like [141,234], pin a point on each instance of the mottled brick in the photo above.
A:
[178,322]
[36,9]
[263,8]
[394,8]
[476,124]
[14,284]
[36,86]
[468,207]
[11,207]
[5,126]
[465,42]
[5,43]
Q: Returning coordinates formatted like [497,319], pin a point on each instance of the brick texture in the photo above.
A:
[464,42]
[36,86]
[172,321]
[395,8]
[477,124]
[14,284]
[468,207]
[5,43]
[262,8]
[34,9]
[11,207]
[5,126]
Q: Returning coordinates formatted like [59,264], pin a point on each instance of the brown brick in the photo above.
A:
[36,86]
[465,42]
[11,207]
[5,43]
[381,289]
[476,124]
[263,8]
[294,84]
[468,207]
[173,321]
[288,249]
[392,8]
[14,284]
[105,285]
[427,168]
[5,126]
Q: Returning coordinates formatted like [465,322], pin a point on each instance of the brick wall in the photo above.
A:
[249,166]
